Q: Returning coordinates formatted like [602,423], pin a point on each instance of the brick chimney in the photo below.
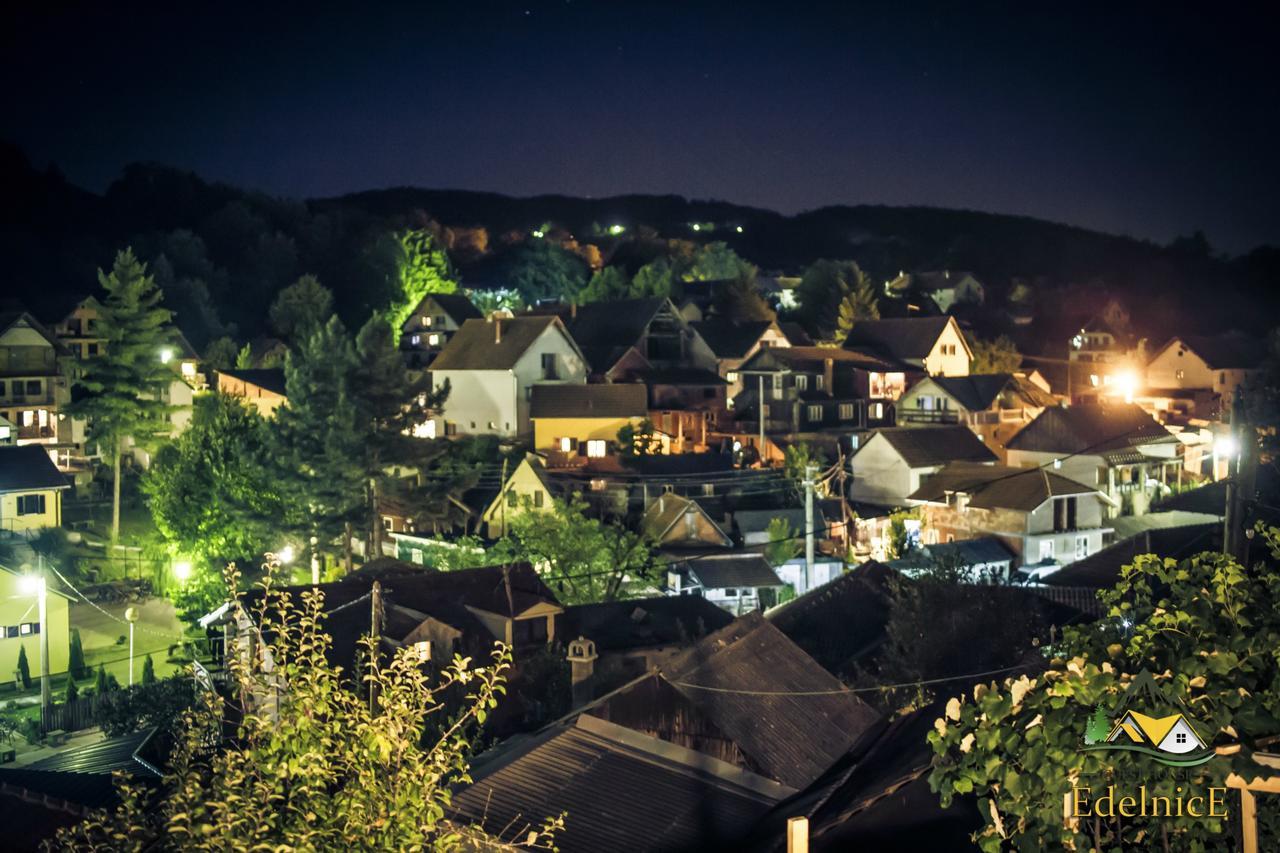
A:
[582,665]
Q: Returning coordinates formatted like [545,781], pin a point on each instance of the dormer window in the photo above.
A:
[426,321]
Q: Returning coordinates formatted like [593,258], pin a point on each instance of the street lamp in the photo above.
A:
[182,570]
[285,554]
[33,584]
[131,616]
[166,355]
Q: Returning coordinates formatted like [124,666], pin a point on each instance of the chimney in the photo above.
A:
[497,330]
[573,310]
[582,666]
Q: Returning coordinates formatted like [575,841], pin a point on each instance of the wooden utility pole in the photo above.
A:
[1242,471]
[375,629]
[809,471]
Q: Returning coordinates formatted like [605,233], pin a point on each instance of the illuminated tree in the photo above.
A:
[640,439]
[655,278]
[824,288]
[717,262]
[422,267]
[608,284]
[324,760]
[121,391]
[858,303]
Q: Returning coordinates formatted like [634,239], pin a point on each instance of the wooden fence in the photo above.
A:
[1082,598]
[75,715]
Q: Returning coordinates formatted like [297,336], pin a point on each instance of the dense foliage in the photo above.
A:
[995,356]
[1207,629]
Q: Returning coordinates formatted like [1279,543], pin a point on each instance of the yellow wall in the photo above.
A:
[954,363]
[17,607]
[547,432]
[52,516]
[525,483]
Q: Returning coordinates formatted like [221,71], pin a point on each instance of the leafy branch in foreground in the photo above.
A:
[320,760]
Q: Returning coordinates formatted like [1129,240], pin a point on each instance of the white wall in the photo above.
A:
[824,571]
[572,370]
[1162,371]
[938,364]
[880,476]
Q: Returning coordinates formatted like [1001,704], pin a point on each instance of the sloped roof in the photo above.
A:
[810,357]
[724,571]
[268,378]
[904,338]
[645,622]
[1233,350]
[999,486]
[621,400]
[475,346]
[979,391]
[663,514]
[840,621]
[456,305]
[622,790]
[795,334]
[757,520]
[83,775]
[8,319]
[615,324]
[745,678]
[1101,569]
[971,552]
[698,376]
[27,467]
[925,447]
[1093,428]
[731,340]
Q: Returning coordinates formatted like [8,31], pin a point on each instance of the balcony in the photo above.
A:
[36,433]
[928,416]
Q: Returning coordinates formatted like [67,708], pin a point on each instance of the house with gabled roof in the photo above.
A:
[894,462]
[1045,518]
[935,345]
[34,387]
[527,489]
[734,343]
[674,521]
[1220,364]
[733,581]
[582,421]
[491,367]
[945,287]
[1116,448]
[262,387]
[995,405]
[433,321]
[621,337]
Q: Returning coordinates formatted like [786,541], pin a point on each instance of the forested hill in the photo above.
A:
[222,253]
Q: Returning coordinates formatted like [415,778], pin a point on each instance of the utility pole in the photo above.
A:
[1242,469]
[375,628]
[842,473]
[809,471]
[43,614]
[760,404]
[502,508]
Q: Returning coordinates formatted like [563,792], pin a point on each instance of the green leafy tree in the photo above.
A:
[301,309]
[422,267]
[640,439]
[656,278]
[784,542]
[70,692]
[584,559]
[740,301]
[148,670]
[121,392]
[390,402]
[823,287]
[607,285]
[221,354]
[1207,628]
[899,531]
[24,668]
[795,463]
[244,358]
[998,356]
[76,667]
[327,764]
[717,262]
[859,303]
[319,434]
[541,271]
[213,496]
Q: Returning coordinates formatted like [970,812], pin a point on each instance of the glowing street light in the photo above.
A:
[697,227]
[166,355]
[1226,447]
[285,554]
[739,229]
[615,230]
[33,584]
[182,570]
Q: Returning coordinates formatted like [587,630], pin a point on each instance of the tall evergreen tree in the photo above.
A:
[148,670]
[76,667]
[72,692]
[822,290]
[121,391]
[24,668]
[319,436]
[391,402]
[859,303]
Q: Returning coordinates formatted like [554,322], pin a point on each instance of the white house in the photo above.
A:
[894,462]
[730,581]
[1220,364]
[935,344]
[491,367]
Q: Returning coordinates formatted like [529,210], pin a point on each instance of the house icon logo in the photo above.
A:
[1169,738]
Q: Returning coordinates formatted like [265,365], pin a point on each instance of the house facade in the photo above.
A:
[31,490]
[1220,365]
[434,320]
[583,420]
[34,388]
[263,388]
[994,406]
[894,463]
[623,336]
[935,345]
[20,627]
[733,582]
[491,367]
[735,343]
[527,489]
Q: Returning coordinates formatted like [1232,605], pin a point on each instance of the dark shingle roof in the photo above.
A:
[999,486]
[815,357]
[642,623]
[622,790]
[791,738]
[971,552]
[757,520]
[924,447]
[623,400]
[28,467]
[614,324]
[979,391]
[1101,569]
[796,334]
[731,340]
[839,622]
[1232,350]
[1094,429]
[83,775]
[476,344]
[267,378]
[681,376]
[905,338]
[725,571]
[456,305]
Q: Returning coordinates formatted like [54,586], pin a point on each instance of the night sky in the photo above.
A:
[1147,122]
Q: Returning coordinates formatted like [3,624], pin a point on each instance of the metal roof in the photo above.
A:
[930,446]
[622,400]
[725,571]
[28,467]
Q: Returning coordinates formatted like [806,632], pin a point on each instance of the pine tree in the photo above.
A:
[24,668]
[75,658]
[244,358]
[858,303]
[72,692]
[301,308]
[319,436]
[1098,728]
[121,391]
[148,670]
[390,402]
[100,684]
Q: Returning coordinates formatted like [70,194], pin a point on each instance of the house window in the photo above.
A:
[450,428]
[513,500]
[426,321]
[492,425]
[30,504]
[1046,550]
[388,523]
[433,340]
[1,389]
[877,411]
[846,411]
[1180,374]
[731,376]
[708,489]
[596,448]
[568,445]
[440,318]
[416,339]
[33,387]
[598,485]
[537,498]
[819,382]
[730,593]
[1082,547]
[764,410]
[926,402]
[92,349]
[1222,379]
[814,413]
[802,382]
[777,386]
[549,370]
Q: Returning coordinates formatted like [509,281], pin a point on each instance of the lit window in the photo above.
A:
[1179,374]
[388,523]
[568,445]
[598,485]
[819,382]
[731,376]
[596,448]
[1046,550]
[433,340]
[426,429]
[5,432]
[802,382]
[814,413]
[877,411]
[417,339]
[24,628]
[846,411]
[426,321]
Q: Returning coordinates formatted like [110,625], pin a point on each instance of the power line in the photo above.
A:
[846,690]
